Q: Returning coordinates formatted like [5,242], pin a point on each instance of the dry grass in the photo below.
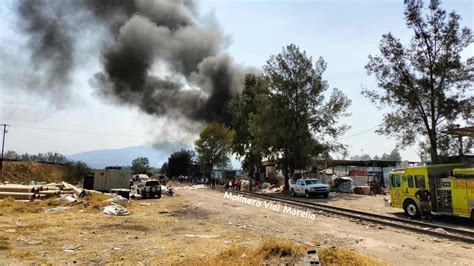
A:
[4,245]
[10,205]
[269,251]
[279,252]
[345,257]
[19,172]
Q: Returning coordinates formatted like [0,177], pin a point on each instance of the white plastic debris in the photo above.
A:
[67,198]
[119,200]
[114,209]
[56,209]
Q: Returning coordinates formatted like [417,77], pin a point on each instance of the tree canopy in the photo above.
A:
[243,108]
[424,82]
[214,147]
[294,121]
[181,163]
[140,165]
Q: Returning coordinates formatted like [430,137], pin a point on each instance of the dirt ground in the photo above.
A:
[197,225]
[380,204]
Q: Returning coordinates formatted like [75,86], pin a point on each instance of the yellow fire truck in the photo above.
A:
[451,187]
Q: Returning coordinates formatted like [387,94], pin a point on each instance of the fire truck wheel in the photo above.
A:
[411,209]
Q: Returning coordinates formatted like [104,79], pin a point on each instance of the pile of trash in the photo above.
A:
[67,194]
[271,188]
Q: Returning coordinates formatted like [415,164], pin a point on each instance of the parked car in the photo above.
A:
[308,188]
[148,188]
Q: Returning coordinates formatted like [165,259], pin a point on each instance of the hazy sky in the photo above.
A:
[344,33]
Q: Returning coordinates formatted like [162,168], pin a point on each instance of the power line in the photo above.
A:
[78,131]
[359,133]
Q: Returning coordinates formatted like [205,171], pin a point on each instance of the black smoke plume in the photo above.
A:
[162,56]
[50,42]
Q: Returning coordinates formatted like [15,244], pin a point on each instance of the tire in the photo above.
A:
[326,195]
[411,209]
[158,195]
[306,194]
[293,194]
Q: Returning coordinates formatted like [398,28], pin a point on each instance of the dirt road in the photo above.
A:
[397,247]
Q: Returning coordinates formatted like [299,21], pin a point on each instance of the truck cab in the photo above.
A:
[451,189]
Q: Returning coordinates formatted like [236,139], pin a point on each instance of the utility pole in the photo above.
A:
[3,149]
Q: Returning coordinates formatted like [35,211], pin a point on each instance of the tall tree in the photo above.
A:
[140,165]
[425,82]
[180,163]
[243,107]
[214,146]
[12,155]
[164,169]
[295,120]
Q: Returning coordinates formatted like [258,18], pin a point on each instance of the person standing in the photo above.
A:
[423,196]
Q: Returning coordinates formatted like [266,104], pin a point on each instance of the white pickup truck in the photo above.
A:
[308,188]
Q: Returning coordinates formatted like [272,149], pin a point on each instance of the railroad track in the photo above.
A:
[400,223]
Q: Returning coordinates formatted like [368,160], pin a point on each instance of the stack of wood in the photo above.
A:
[30,192]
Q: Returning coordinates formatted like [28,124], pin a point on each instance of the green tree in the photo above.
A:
[363,157]
[393,156]
[243,107]
[294,121]
[448,146]
[425,82]
[164,169]
[140,165]
[214,146]
[76,171]
[12,155]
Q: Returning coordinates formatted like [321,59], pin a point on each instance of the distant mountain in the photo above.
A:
[124,156]
[156,154]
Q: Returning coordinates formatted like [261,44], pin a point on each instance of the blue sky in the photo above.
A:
[344,33]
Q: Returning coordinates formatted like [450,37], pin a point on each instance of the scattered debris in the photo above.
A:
[202,236]
[118,200]
[114,209]
[71,248]
[67,198]
[436,239]
[309,257]
[440,230]
[192,187]
[56,209]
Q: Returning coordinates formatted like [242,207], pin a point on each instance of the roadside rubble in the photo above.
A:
[67,195]
[192,187]
[310,257]
[114,209]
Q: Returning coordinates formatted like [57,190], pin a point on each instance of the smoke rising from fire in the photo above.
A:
[162,56]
